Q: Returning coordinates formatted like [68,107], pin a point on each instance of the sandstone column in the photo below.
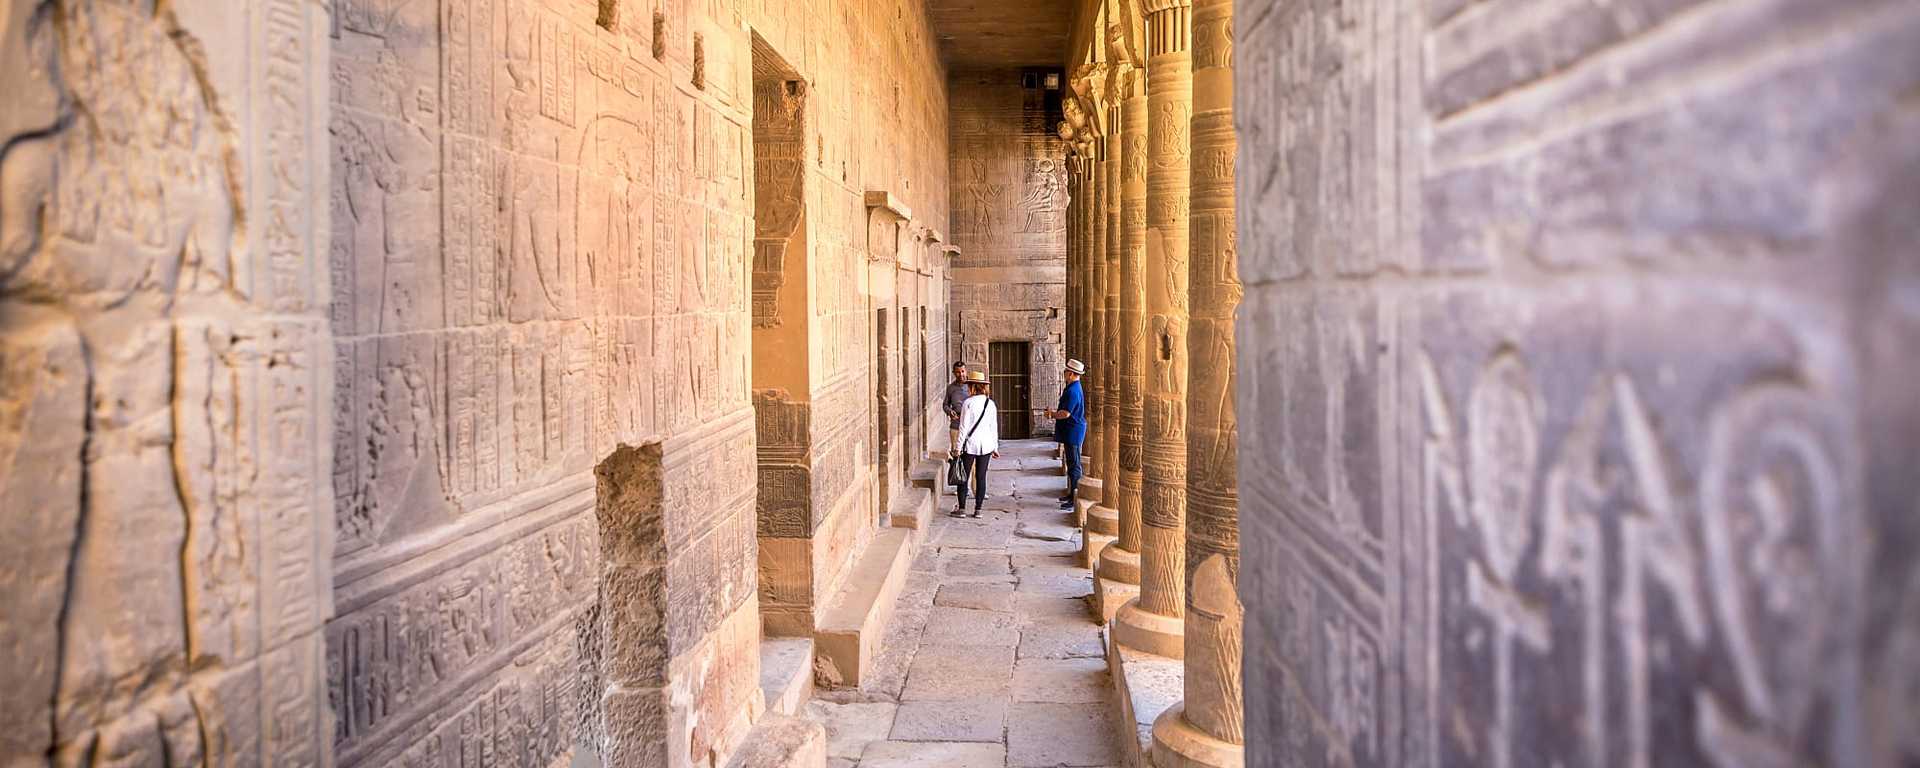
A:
[1095,263]
[1075,281]
[1152,623]
[1104,518]
[1120,563]
[1207,728]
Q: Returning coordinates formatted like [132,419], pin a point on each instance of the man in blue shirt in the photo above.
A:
[1070,427]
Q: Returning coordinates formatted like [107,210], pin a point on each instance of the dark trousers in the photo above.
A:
[1073,467]
[973,473]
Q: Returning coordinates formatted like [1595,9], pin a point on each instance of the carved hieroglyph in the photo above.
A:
[550,248]
[1111,320]
[1154,623]
[1208,728]
[1121,562]
[1572,449]
[1096,360]
[162,379]
[1010,221]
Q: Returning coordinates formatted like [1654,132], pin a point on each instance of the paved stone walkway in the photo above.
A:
[991,660]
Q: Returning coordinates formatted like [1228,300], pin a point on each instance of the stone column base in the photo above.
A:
[1119,565]
[1144,630]
[1177,744]
[1103,520]
[1090,488]
[1109,595]
[1091,544]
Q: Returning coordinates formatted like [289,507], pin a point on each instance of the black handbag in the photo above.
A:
[956,477]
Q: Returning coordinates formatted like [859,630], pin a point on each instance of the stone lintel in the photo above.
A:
[882,201]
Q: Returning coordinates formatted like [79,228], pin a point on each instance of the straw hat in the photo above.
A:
[1076,366]
[976,377]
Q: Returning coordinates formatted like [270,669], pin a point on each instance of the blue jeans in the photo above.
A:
[1073,468]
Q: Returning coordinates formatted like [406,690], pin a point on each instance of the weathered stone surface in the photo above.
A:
[850,727]
[980,596]
[163,375]
[966,720]
[904,754]
[1043,735]
[1567,442]
[966,626]
[972,564]
[316,320]
[959,672]
[1063,681]
[1060,638]
[782,742]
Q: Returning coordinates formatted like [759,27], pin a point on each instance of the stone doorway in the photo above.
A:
[1012,381]
[782,345]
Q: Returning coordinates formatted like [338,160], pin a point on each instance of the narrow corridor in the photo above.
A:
[992,658]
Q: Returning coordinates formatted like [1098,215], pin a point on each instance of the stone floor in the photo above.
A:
[992,659]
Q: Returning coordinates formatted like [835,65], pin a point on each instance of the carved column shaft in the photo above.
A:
[1131,336]
[1110,365]
[1076,282]
[1096,347]
[1207,728]
[1153,623]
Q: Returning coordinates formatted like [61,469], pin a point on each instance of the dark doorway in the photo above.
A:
[1007,369]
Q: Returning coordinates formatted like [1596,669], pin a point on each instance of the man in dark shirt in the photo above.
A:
[956,398]
[1070,427]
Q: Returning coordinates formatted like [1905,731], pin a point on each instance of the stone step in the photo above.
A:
[913,509]
[781,741]
[1144,686]
[786,673]
[847,637]
[928,473]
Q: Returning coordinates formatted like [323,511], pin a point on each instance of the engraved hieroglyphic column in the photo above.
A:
[1076,246]
[1104,518]
[1207,728]
[1120,563]
[1096,266]
[1152,623]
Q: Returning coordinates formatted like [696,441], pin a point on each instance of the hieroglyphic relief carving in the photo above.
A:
[1130,336]
[1164,399]
[155,281]
[1556,484]
[419,644]
[1214,696]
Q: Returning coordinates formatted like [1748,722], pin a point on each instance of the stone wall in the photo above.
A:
[377,372]
[164,379]
[1010,223]
[1576,380]
[545,255]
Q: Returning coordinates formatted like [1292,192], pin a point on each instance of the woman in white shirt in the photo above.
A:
[980,425]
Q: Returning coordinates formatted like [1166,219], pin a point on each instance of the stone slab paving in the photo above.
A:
[991,660]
